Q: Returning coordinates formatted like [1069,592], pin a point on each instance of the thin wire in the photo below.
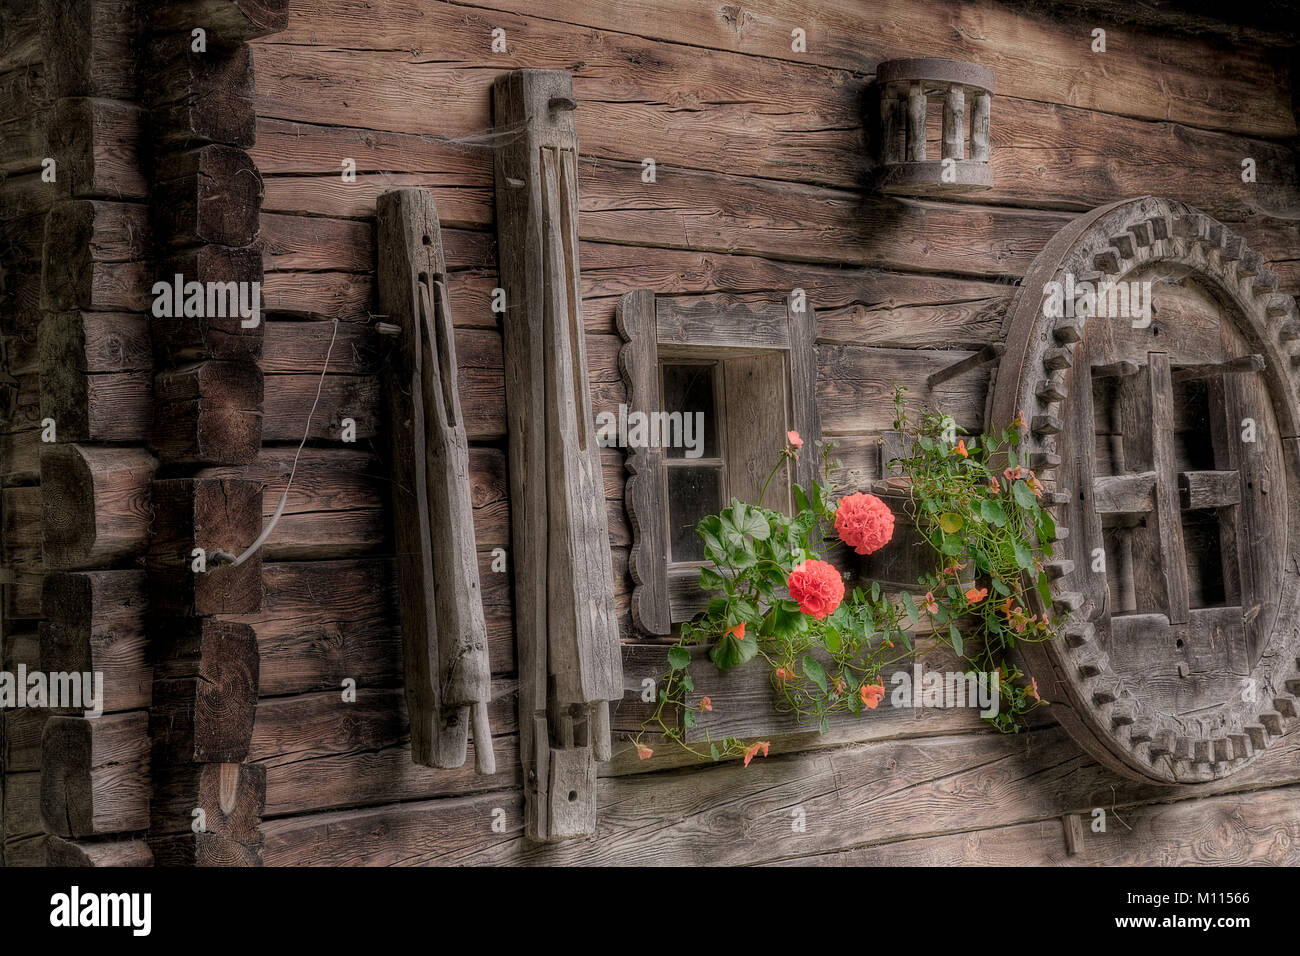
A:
[284,499]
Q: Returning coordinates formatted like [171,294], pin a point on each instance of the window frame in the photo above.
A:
[662,328]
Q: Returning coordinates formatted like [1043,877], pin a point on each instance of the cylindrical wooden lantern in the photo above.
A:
[906,87]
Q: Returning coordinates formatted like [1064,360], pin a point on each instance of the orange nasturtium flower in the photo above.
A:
[643,752]
[928,604]
[871,695]
[706,704]
[752,751]
[974,595]
[961,448]
[738,632]
[794,439]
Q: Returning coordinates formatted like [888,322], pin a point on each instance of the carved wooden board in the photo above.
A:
[1169,441]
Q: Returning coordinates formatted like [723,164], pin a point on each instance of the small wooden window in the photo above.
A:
[749,376]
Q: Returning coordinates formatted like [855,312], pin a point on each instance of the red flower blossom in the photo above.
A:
[706,704]
[961,448]
[783,674]
[974,595]
[816,587]
[864,522]
[794,439]
[929,605]
[1033,688]
[871,695]
[738,632]
[644,752]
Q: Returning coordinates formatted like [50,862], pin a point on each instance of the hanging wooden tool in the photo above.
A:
[443,633]
[566,629]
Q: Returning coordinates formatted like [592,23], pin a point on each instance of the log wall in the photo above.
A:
[761,187]
[762,172]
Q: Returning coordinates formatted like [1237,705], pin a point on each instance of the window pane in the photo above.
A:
[693,493]
[688,390]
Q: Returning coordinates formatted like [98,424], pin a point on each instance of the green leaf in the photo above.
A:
[687,684]
[824,726]
[1024,497]
[710,580]
[950,523]
[993,513]
[786,620]
[1000,586]
[1046,528]
[729,652]
[910,606]
[713,749]
[679,658]
[801,498]
[1024,557]
[814,671]
[1044,588]
[957,644]
[688,719]
[756,526]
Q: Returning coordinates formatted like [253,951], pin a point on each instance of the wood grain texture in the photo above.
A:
[442,614]
[95,506]
[86,853]
[566,622]
[216,515]
[204,691]
[644,496]
[95,775]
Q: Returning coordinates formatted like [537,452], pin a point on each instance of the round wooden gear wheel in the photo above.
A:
[1172,465]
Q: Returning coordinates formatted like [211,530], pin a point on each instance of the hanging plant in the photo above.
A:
[778,599]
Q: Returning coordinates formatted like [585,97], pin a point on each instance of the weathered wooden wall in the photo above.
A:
[762,175]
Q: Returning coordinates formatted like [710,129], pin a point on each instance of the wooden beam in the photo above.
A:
[84,853]
[95,508]
[209,413]
[1124,494]
[94,257]
[219,516]
[209,194]
[91,47]
[183,339]
[208,814]
[95,774]
[1236,366]
[199,97]
[227,21]
[567,631]
[442,614]
[204,690]
[96,624]
[97,144]
[645,495]
[1209,489]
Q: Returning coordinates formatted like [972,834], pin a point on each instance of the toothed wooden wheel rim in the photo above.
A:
[1167,670]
